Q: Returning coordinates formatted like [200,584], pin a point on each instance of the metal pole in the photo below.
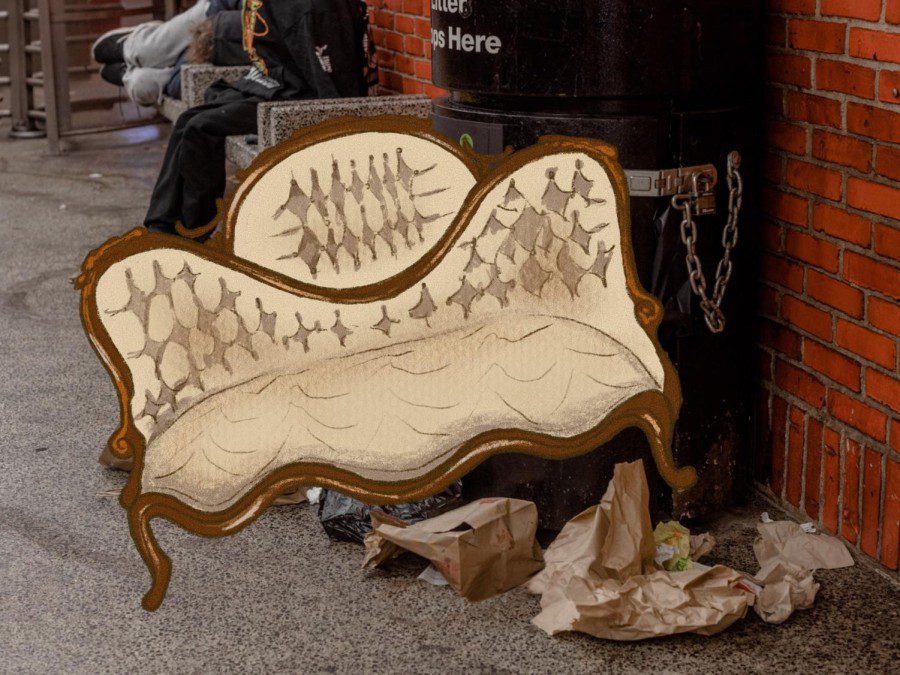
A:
[53,75]
[23,126]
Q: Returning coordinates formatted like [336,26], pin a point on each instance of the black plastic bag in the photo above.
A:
[347,519]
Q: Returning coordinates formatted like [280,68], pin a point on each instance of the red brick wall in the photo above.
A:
[401,30]
[831,270]
[830,399]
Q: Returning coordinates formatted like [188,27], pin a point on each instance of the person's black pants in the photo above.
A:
[192,177]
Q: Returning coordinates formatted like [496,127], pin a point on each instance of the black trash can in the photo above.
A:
[670,84]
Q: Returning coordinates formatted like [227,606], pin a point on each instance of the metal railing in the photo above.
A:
[5,106]
[55,86]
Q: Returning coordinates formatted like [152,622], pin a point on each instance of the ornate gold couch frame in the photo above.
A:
[381,312]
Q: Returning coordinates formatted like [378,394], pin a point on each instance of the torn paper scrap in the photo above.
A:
[664,553]
[613,539]
[298,496]
[786,541]
[432,575]
[481,549]
[379,549]
[701,545]
[702,600]
[785,588]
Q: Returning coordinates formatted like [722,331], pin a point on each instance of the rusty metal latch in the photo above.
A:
[699,180]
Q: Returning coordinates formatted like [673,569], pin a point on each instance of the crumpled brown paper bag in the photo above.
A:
[702,600]
[600,577]
[787,556]
[786,541]
[785,588]
[613,539]
[482,549]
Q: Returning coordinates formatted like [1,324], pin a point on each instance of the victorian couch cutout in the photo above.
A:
[381,312]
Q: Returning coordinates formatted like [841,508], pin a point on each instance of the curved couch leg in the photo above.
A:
[679,478]
[159,564]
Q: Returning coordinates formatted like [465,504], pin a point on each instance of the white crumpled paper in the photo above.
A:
[788,553]
[785,588]
[789,542]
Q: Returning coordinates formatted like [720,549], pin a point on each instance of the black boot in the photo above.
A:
[110,47]
[114,73]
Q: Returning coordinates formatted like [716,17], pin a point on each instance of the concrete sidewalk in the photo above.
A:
[279,595]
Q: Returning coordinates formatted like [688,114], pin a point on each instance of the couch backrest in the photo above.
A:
[351,210]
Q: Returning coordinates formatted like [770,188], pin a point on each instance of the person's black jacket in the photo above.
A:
[227,46]
[302,49]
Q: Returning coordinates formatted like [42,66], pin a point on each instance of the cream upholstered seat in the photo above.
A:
[383,311]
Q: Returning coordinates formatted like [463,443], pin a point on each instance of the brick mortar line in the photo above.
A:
[843,168]
[784,444]
[841,350]
[879,539]
[842,469]
[819,199]
[830,310]
[843,133]
[860,494]
[816,198]
[834,345]
[804,443]
[838,96]
[837,132]
[856,22]
[821,478]
[866,363]
[870,253]
[409,54]
[880,295]
[852,21]
[830,238]
[844,244]
[886,444]
[833,423]
[398,12]
[871,216]
[861,322]
[814,55]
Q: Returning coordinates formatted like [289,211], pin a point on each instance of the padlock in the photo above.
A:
[703,199]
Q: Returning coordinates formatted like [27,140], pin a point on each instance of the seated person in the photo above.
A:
[298,49]
[146,59]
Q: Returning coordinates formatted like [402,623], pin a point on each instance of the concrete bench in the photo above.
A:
[279,120]
[195,80]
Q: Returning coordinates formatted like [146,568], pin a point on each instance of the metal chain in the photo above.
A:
[712,307]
